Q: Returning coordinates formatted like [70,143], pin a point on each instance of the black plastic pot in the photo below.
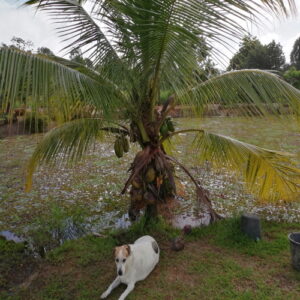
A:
[250,225]
[294,239]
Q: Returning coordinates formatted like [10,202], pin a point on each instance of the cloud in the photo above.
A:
[23,22]
[285,31]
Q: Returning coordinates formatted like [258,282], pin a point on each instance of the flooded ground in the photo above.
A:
[91,189]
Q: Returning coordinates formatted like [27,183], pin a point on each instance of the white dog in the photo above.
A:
[134,263]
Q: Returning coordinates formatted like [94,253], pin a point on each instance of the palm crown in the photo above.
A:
[138,49]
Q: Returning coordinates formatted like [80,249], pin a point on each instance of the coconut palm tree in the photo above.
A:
[138,49]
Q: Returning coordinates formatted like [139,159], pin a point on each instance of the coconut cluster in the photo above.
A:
[121,145]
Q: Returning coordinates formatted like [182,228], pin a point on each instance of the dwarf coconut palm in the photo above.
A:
[138,49]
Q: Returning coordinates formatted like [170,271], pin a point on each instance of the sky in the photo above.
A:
[25,23]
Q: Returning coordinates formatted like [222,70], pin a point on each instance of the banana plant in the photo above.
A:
[138,49]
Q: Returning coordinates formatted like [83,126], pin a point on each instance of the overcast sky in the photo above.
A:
[24,23]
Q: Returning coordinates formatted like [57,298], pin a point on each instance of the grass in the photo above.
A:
[227,234]
[10,255]
[56,225]
[15,264]
[218,262]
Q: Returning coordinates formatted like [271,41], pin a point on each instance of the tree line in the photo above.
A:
[19,43]
[252,54]
[7,114]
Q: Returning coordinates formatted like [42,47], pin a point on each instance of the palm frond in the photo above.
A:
[158,39]
[66,143]
[76,25]
[92,73]
[271,175]
[252,92]
[29,78]
[168,146]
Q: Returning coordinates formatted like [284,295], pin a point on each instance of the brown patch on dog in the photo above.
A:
[128,250]
[123,251]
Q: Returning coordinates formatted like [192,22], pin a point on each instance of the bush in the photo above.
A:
[57,225]
[35,123]
[164,95]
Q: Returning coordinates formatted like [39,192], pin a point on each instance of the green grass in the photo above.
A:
[56,220]
[227,234]
[11,255]
[15,265]
[84,251]
[218,262]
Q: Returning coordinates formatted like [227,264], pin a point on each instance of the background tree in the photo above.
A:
[77,57]
[253,55]
[7,110]
[27,46]
[295,54]
[275,55]
[149,46]
[20,44]
[206,68]
[292,76]
[44,51]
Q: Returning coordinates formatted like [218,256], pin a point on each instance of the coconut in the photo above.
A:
[150,175]
[118,147]
[125,143]
[164,130]
[136,183]
[170,125]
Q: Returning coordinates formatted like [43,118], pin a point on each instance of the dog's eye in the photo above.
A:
[117,260]
[124,260]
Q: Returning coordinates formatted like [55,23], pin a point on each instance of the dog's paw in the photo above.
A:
[104,295]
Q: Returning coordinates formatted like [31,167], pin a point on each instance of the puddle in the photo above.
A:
[180,221]
[10,236]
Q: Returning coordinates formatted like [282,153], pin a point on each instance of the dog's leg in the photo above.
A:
[113,285]
[130,287]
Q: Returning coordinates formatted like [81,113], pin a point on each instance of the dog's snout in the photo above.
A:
[120,272]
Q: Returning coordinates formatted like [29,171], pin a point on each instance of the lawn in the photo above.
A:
[218,262]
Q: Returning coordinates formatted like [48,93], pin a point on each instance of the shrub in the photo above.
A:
[35,123]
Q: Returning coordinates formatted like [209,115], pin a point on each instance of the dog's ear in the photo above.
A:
[127,247]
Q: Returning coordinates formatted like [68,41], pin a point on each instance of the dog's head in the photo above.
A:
[121,256]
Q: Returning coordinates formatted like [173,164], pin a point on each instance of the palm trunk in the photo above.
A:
[151,212]
[152,171]
[153,185]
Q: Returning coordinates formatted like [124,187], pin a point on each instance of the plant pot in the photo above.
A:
[294,239]
[250,225]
